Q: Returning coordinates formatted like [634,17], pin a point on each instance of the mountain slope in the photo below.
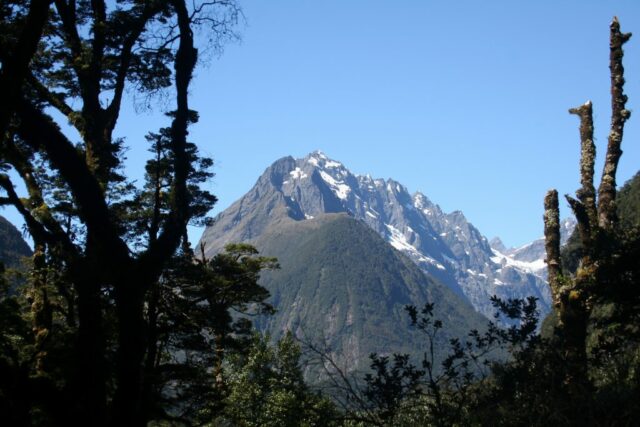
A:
[444,245]
[12,246]
[341,283]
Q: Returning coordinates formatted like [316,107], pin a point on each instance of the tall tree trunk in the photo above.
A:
[90,381]
[552,243]
[127,401]
[149,380]
[607,215]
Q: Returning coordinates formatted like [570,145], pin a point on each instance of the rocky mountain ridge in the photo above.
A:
[531,256]
[444,245]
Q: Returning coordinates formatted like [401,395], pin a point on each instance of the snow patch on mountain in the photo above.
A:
[339,187]
[332,164]
[398,240]
[534,267]
[530,257]
[297,174]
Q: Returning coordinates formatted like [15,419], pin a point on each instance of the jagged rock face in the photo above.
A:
[498,245]
[532,255]
[444,245]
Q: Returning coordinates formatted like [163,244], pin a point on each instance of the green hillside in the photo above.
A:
[12,246]
[341,283]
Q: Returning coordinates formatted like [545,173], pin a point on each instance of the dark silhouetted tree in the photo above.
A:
[67,64]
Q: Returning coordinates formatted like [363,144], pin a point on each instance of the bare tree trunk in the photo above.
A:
[607,216]
[127,402]
[552,242]
[568,300]
[90,371]
[587,193]
[150,373]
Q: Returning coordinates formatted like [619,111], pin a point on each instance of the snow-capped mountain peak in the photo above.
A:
[530,257]
[445,245]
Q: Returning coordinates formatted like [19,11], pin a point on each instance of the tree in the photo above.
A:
[599,273]
[231,283]
[197,316]
[68,61]
[12,373]
[266,388]
[435,392]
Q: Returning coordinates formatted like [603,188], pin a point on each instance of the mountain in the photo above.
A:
[12,246]
[531,256]
[340,283]
[444,245]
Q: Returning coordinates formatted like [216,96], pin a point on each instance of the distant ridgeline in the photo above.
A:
[12,246]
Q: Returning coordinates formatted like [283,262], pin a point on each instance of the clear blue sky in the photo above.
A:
[465,101]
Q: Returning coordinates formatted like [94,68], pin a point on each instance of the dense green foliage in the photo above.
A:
[192,330]
[266,388]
